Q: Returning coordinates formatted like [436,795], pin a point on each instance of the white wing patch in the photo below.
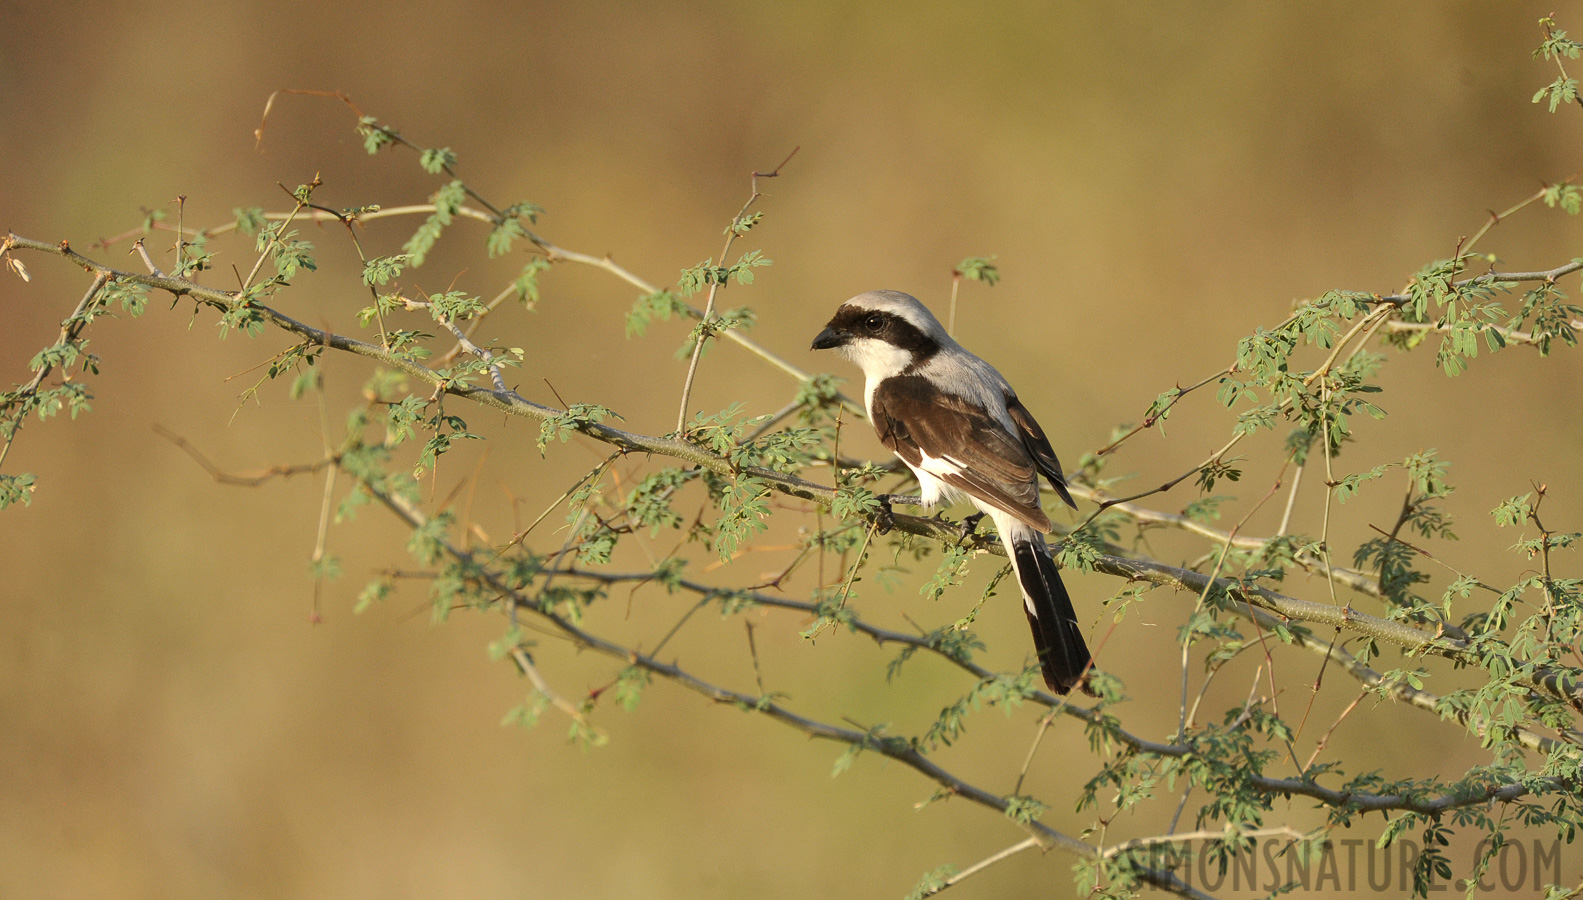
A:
[930,471]
[939,465]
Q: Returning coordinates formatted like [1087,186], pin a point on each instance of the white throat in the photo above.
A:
[879,360]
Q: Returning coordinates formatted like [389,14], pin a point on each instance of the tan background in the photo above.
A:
[1156,183]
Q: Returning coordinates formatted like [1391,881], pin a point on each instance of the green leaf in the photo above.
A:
[527,714]
[932,882]
[647,308]
[1556,43]
[853,502]
[564,425]
[979,268]
[527,283]
[502,236]
[629,686]
[1562,90]
[374,592]
[305,381]
[506,644]
[743,270]
[1566,196]
[292,255]
[381,269]
[375,136]
[845,760]
[1206,509]
[953,566]
[1024,810]
[1514,511]
[744,507]
[326,566]
[249,220]
[132,296]
[435,161]
[744,224]
[455,306]
[17,489]
[447,202]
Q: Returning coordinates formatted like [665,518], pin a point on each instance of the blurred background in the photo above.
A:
[1154,180]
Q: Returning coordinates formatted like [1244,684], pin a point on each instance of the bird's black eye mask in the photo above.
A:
[851,323]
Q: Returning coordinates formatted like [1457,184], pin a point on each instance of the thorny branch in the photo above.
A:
[902,751]
[1557,684]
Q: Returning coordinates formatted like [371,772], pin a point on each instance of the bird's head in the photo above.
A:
[884,332]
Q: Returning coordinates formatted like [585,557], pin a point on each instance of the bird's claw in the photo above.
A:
[969,524]
[885,519]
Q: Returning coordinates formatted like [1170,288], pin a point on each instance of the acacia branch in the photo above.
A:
[70,329]
[1133,569]
[1416,697]
[896,749]
[1510,335]
[552,251]
[1377,682]
[903,751]
[1490,278]
[1145,517]
[1559,684]
[1283,786]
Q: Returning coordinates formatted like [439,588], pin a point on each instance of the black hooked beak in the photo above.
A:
[828,339]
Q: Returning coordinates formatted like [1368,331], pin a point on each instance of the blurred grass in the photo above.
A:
[1156,181]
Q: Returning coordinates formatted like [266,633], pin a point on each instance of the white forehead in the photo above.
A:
[899,304]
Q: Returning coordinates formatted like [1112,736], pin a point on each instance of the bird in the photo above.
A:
[958,425]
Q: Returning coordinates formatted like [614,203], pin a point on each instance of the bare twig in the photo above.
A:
[983,864]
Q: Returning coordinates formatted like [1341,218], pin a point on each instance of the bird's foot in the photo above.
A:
[885,519]
[969,525]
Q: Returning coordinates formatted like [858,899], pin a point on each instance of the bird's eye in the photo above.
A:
[874,323]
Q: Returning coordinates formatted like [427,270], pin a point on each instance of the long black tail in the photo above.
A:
[1056,636]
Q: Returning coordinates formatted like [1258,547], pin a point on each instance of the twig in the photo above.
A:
[142,251]
[70,330]
[1325,738]
[1157,414]
[1291,501]
[753,651]
[525,664]
[983,864]
[1203,596]
[244,480]
[322,537]
[715,283]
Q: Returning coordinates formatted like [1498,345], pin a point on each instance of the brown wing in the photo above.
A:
[968,450]
[1039,447]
